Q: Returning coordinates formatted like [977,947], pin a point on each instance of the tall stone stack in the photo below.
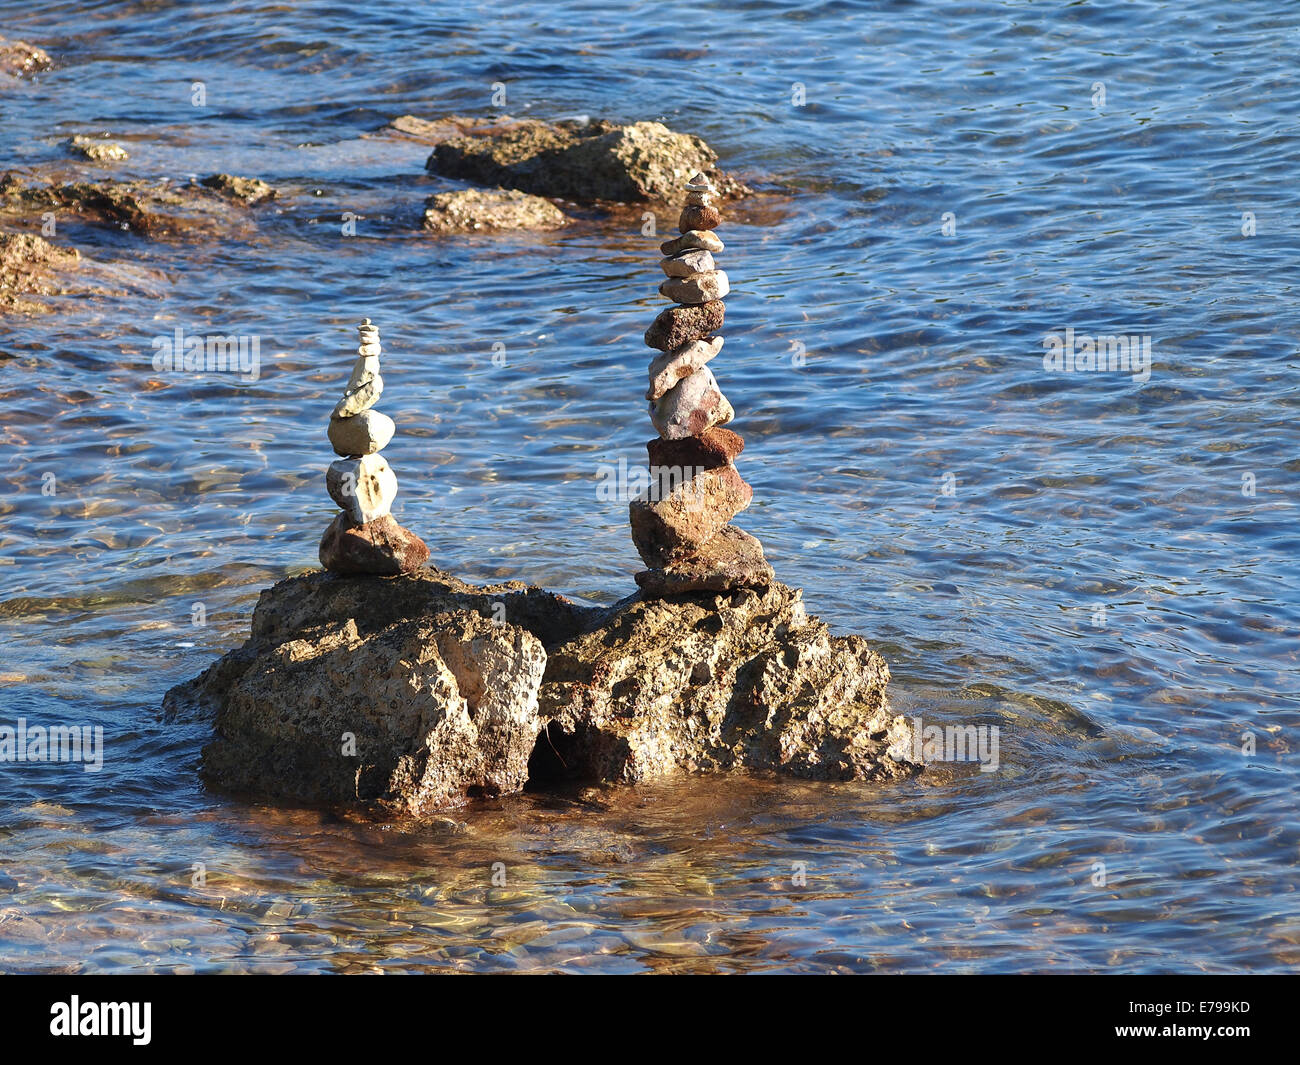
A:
[680,525]
[364,538]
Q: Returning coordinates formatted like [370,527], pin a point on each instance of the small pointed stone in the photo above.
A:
[699,182]
[359,399]
[364,487]
[693,238]
[695,261]
[696,288]
[366,368]
[670,367]
[692,406]
[362,434]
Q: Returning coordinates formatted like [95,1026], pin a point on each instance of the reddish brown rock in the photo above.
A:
[697,216]
[684,510]
[716,447]
[732,559]
[381,547]
[680,325]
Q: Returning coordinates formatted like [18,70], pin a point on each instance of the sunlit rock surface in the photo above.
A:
[419,693]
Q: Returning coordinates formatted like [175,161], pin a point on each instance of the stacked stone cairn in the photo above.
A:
[680,524]
[365,539]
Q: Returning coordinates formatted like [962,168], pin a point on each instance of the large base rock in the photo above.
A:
[420,692]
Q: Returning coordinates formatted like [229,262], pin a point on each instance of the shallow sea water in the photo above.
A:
[1074,558]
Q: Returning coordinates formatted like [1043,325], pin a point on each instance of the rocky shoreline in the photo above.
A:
[506,175]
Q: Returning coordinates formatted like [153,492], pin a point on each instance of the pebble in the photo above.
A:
[362,434]
[363,487]
[676,326]
[694,216]
[670,367]
[698,182]
[694,261]
[692,406]
[704,287]
[692,238]
[699,199]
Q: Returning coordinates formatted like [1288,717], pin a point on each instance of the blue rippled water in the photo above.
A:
[1102,567]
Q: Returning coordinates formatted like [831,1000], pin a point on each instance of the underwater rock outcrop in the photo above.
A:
[586,161]
[420,692]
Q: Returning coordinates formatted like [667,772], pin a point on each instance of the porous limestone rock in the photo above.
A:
[587,161]
[29,266]
[422,716]
[250,191]
[676,326]
[18,58]
[453,691]
[97,151]
[487,210]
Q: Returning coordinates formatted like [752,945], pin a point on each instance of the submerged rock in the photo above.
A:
[156,209]
[18,58]
[97,151]
[29,266]
[586,162]
[420,692]
[250,191]
[481,210]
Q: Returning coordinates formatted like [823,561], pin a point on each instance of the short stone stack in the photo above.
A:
[680,525]
[365,539]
